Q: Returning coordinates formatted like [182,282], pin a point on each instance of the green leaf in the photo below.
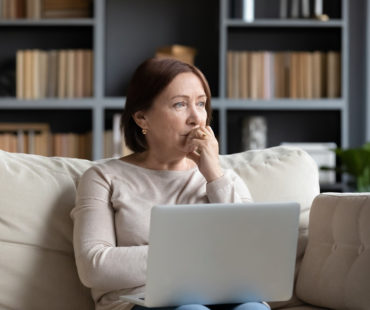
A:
[355,161]
[366,146]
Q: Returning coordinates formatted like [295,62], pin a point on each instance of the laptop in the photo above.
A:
[220,253]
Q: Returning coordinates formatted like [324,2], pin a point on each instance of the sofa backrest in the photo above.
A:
[335,271]
[37,194]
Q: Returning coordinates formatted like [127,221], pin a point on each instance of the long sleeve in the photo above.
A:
[100,263]
[228,188]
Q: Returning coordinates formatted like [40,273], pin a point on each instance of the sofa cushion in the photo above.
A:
[279,174]
[335,271]
[37,263]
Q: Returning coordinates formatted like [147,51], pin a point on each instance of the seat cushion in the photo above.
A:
[335,271]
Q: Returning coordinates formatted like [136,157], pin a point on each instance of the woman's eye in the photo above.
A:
[179,105]
[201,104]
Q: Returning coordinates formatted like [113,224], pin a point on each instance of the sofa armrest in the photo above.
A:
[335,271]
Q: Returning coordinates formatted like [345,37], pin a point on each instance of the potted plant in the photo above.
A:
[356,163]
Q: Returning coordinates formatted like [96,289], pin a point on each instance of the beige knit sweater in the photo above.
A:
[111,221]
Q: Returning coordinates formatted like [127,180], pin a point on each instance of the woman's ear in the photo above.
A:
[140,119]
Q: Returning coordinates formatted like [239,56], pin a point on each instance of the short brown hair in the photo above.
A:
[148,81]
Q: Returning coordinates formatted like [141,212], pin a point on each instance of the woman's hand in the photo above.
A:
[203,147]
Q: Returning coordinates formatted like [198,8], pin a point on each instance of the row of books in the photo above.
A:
[302,9]
[54,74]
[245,9]
[36,9]
[57,144]
[36,138]
[267,75]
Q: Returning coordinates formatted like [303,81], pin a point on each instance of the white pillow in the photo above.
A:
[37,264]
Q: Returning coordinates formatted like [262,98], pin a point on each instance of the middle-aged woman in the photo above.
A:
[175,161]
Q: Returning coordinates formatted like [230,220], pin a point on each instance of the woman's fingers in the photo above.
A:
[194,156]
[210,130]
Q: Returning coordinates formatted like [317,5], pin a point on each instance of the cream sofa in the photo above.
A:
[37,269]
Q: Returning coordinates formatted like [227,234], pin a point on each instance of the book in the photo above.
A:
[317,74]
[66,8]
[79,73]
[281,72]
[43,74]
[21,8]
[62,74]
[236,74]
[333,74]
[20,74]
[243,81]
[70,74]
[35,72]
[283,9]
[305,8]
[28,67]
[294,75]
[52,73]
[309,74]
[229,74]
[261,75]
[89,73]
[20,141]
[268,79]
[294,10]
[33,9]
[31,142]
[254,75]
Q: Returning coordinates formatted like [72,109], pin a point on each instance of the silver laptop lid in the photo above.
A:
[221,253]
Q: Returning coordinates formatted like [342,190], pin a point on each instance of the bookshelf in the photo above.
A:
[274,34]
[118,35]
[367,112]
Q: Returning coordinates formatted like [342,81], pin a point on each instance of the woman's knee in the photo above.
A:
[192,307]
[252,306]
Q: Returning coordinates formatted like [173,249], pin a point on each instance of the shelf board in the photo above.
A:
[48,22]
[114,102]
[217,103]
[247,104]
[284,23]
[279,104]
[48,103]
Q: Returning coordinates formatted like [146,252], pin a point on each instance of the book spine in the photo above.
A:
[20,74]
[283,8]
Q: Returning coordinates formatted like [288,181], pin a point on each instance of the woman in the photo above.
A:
[175,161]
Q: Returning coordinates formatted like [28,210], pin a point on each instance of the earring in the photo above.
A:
[144,131]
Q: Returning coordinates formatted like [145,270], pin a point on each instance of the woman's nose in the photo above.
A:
[194,117]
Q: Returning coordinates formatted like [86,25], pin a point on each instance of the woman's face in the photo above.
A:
[180,108]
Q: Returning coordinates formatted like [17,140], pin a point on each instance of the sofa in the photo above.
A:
[37,267]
